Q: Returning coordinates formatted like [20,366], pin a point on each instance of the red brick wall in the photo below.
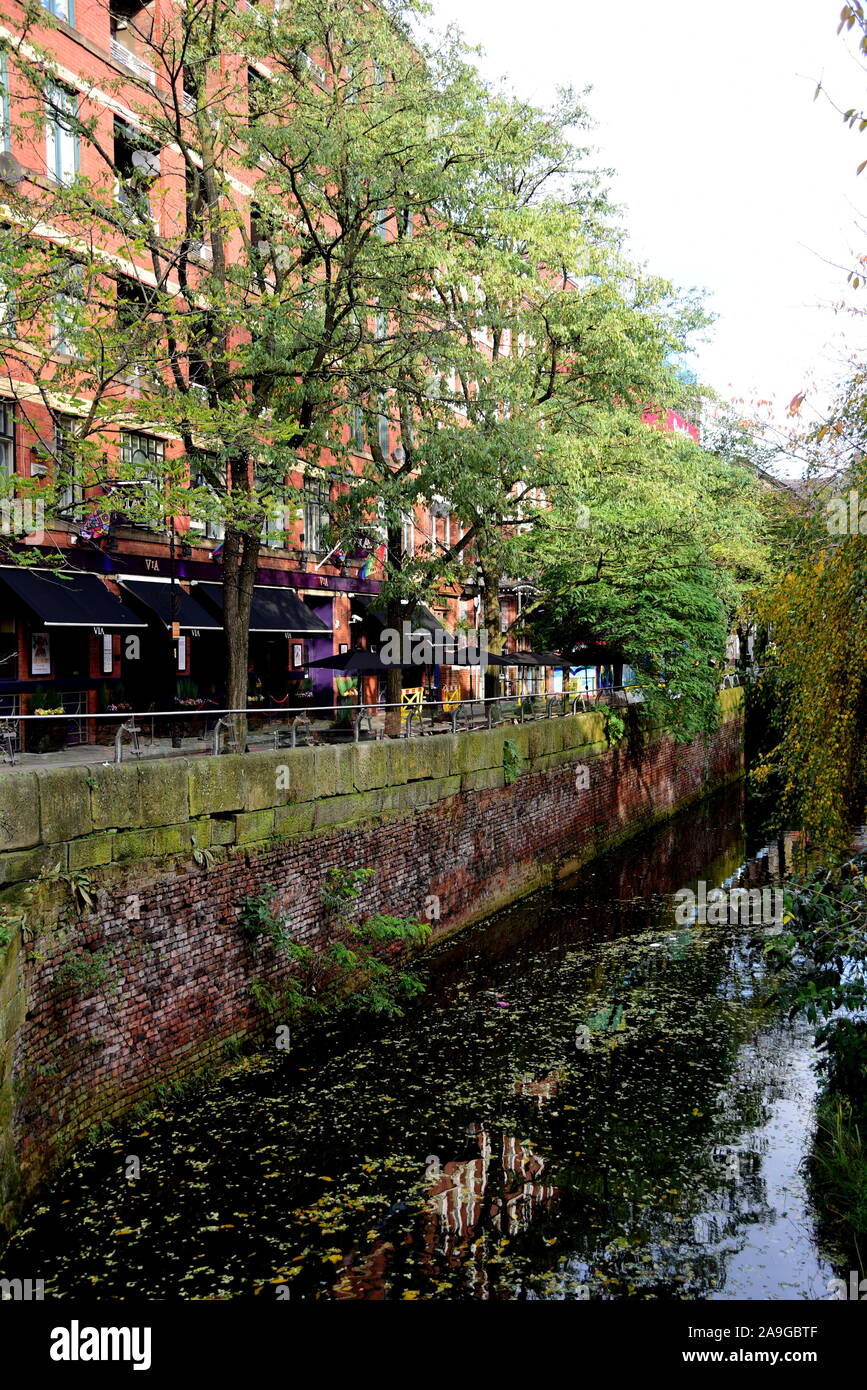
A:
[179,971]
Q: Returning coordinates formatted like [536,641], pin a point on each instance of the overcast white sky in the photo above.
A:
[733,179]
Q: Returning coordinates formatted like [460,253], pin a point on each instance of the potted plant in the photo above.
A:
[112,700]
[49,734]
[301,693]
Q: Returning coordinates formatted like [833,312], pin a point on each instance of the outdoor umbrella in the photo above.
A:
[550,659]
[360,660]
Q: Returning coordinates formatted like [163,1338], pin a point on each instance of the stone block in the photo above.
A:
[485,779]
[372,766]
[133,844]
[398,760]
[325,772]
[296,773]
[115,796]
[295,819]
[30,863]
[223,831]
[19,811]
[64,803]
[200,832]
[251,826]
[173,839]
[165,792]
[347,810]
[91,850]
[216,784]
[266,779]
[445,787]
[472,751]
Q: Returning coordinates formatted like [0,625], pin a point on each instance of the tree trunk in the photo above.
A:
[395,612]
[491,576]
[240,558]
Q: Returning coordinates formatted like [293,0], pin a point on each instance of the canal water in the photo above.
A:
[591,1101]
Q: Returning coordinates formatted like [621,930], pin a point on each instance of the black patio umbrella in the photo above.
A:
[359,661]
[550,659]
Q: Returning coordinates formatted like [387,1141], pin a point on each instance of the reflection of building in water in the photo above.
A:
[498,1192]
[365,1278]
[493,1191]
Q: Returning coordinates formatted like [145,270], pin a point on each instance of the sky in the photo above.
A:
[732,178]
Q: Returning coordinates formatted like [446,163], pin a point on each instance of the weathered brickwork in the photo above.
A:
[166,976]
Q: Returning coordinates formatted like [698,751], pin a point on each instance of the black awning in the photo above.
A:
[272,610]
[69,599]
[157,595]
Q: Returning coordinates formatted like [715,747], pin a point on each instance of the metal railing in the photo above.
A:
[159,733]
[120,54]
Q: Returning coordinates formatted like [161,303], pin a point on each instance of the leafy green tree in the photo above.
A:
[650,545]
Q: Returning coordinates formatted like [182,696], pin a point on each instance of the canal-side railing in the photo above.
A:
[199,731]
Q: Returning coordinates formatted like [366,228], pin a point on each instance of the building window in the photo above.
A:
[68,305]
[70,490]
[7,309]
[207,526]
[137,165]
[5,124]
[132,30]
[356,426]
[407,535]
[144,453]
[7,439]
[380,223]
[382,426]
[316,513]
[61,9]
[257,94]
[61,139]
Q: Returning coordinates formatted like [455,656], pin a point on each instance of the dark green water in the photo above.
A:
[589,1102]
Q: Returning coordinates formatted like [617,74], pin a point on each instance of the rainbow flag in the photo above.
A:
[377,557]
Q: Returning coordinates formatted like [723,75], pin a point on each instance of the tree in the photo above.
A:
[216,272]
[668,537]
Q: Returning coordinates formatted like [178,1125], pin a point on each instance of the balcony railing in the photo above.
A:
[133,62]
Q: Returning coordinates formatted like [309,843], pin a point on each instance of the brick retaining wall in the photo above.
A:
[432,817]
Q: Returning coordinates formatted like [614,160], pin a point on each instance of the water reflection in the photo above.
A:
[591,1101]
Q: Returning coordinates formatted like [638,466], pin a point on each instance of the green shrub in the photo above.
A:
[512,761]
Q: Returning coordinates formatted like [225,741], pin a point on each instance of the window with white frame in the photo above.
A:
[5,123]
[61,137]
[68,305]
[7,439]
[407,534]
[380,223]
[316,513]
[382,425]
[206,469]
[357,429]
[67,465]
[61,9]
[7,309]
[274,529]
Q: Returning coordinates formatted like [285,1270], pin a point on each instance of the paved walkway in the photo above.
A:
[77,755]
